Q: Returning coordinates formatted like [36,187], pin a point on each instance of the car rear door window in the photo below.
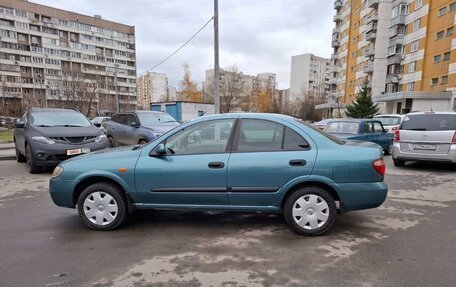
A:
[378,127]
[122,119]
[293,141]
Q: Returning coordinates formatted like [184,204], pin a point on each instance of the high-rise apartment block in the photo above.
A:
[152,87]
[309,76]
[54,58]
[403,49]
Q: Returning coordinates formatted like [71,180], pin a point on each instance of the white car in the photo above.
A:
[391,122]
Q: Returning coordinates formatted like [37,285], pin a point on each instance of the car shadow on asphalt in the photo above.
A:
[430,166]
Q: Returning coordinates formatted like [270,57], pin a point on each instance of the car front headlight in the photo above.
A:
[100,138]
[43,140]
[58,170]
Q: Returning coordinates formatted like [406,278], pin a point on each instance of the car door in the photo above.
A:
[129,130]
[266,155]
[19,134]
[193,171]
[381,137]
[366,132]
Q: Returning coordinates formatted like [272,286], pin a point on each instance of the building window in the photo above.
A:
[401,9]
[447,56]
[434,81]
[440,35]
[414,46]
[453,6]
[418,4]
[449,31]
[411,86]
[444,80]
[437,58]
[442,11]
[416,24]
[412,67]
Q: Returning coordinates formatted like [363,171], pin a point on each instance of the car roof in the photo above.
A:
[389,115]
[430,113]
[353,120]
[39,110]
[141,112]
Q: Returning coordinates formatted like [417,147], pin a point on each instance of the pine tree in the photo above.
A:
[362,107]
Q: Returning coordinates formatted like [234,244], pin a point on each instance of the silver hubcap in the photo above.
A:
[100,208]
[310,211]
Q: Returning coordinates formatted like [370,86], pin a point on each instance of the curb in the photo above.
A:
[6,148]
[8,157]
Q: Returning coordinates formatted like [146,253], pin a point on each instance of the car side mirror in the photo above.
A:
[19,125]
[385,130]
[97,125]
[134,125]
[161,150]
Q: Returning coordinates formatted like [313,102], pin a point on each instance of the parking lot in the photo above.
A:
[408,241]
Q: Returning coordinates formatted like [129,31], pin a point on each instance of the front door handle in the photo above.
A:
[216,164]
[297,162]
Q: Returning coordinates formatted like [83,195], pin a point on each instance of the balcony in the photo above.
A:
[372,3]
[395,59]
[399,39]
[371,26]
[392,79]
[370,52]
[369,68]
[371,36]
[398,20]
[335,43]
[337,18]
[336,31]
[332,81]
[337,4]
[333,57]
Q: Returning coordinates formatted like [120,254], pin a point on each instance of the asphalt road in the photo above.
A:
[409,241]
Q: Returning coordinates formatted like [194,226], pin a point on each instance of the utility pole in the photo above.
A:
[216,61]
[117,94]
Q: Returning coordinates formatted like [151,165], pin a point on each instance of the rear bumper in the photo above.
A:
[411,156]
[358,196]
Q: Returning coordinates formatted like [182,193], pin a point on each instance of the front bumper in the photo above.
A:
[53,154]
[61,192]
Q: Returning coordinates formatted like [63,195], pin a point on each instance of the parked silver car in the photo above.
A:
[426,136]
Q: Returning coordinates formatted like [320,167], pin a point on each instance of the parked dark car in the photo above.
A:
[240,162]
[45,137]
[139,127]
[362,129]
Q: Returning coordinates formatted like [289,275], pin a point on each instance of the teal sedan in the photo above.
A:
[232,162]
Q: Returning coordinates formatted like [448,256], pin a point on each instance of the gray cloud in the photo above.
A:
[257,36]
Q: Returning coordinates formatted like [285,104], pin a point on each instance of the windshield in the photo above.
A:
[59,119]
[429,122]
[342,128]
[329,136]
[152,119]
[389,121]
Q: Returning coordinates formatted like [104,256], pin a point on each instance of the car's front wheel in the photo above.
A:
[33,168]
[19,156]
[310,211]
[102,206]
[111,142]
[389,149]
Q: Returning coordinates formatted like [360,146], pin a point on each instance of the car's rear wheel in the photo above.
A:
[19,156]
[102,206]
[111,142]
[389,149]
[310,211]
[398,162]
[33,168]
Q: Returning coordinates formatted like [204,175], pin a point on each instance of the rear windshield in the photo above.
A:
[429,122]
[342,128]
[389,121]
[330,137]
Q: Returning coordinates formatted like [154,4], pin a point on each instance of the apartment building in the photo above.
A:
[421,73]
[152,87]
[55,58]
[403,49]
[309,76]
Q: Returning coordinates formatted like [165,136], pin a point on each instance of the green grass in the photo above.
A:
[6,136]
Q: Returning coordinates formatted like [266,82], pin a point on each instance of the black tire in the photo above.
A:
[398,162]
[111,142]
[301,194]
[142,142]
[19,157]
[389,149]
[118,199]
[33,168]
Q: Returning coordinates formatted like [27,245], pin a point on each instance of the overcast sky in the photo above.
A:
[258,36]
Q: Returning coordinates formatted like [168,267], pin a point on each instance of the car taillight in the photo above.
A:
[379,166]
[397,136]
[454,138]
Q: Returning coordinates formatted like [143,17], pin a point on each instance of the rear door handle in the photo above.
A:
[216,164]
[297,162]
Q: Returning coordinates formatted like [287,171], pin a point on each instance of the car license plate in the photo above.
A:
[76,151]
[425,146]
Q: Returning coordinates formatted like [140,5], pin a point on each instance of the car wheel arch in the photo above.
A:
[87,181]
[332,192]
